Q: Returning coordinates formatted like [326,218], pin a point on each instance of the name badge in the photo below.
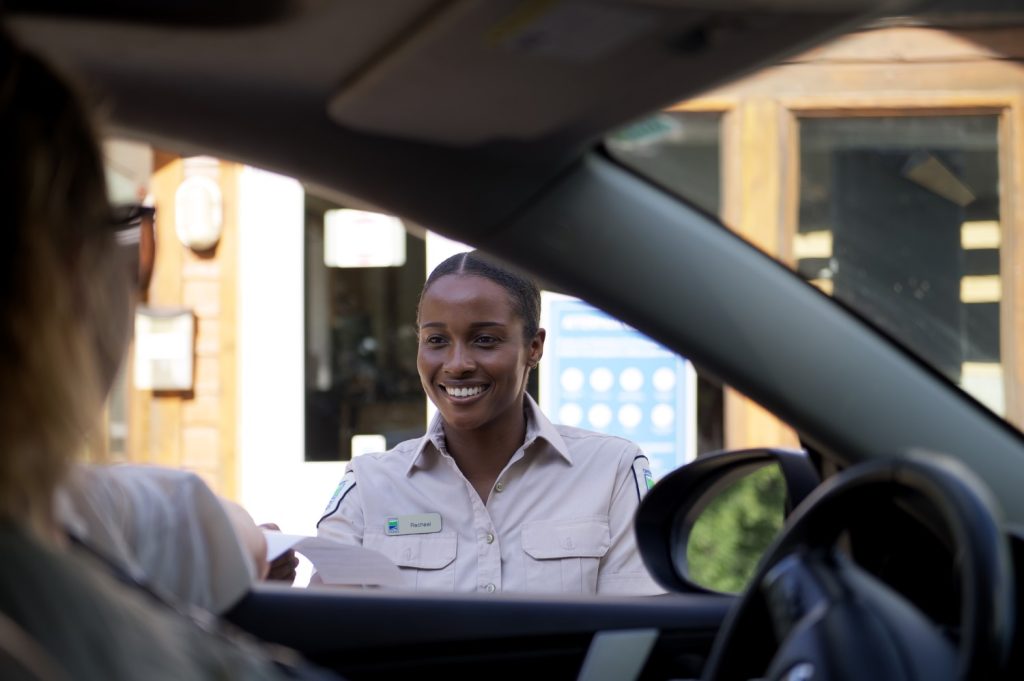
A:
[421,523]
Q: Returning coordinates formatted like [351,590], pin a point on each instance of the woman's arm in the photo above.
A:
[622,570]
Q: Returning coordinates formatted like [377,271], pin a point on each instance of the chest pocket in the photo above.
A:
[427,561]
[563,556]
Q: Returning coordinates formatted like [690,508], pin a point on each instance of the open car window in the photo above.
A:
[363,394]
[326,354]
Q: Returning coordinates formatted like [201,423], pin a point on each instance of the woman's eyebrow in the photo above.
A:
[473,325]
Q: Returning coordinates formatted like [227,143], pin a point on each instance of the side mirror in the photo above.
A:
[705,526]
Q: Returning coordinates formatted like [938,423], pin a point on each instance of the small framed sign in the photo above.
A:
[164,348]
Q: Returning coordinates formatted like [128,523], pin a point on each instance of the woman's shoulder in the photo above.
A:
[401,454]
[589,441]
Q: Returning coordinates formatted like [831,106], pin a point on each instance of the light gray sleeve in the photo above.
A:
[621,570]
[343,517]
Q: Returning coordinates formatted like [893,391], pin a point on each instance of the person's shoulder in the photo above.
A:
[130,488]
[589,442]
[401,454]
[583,435]
[146,484]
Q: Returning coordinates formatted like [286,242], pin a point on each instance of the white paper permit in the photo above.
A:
[338,564]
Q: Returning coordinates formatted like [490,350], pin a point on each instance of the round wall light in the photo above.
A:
[198,213]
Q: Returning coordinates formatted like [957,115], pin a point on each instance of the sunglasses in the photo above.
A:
[129,216]
[126,222]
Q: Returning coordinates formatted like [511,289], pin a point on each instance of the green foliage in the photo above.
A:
[733,532]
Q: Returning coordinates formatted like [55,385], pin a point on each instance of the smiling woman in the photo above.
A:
[494,497]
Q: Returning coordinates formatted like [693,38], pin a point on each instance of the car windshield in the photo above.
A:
[684,404]
[277,340]
[850,169]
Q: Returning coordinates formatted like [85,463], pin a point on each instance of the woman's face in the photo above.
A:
[108,286]
[472,358]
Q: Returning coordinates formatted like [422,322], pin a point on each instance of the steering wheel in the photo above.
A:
[834,621]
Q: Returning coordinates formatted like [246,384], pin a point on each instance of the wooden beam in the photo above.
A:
[1011,257]
[760,180]
[888,83]
[919,44]
[228,255]
[754,154]
[155,430]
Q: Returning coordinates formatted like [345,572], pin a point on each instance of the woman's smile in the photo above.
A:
[464,393]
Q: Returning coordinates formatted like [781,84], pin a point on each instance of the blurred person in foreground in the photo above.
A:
[167,529]
[65,298]
[163,526]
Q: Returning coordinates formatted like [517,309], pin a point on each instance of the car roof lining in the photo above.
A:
[328,108]
[219,13]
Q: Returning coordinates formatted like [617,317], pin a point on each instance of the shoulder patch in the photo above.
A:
[338,491]
[348,482]
[642,476]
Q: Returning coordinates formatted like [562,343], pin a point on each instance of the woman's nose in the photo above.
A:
[459,360]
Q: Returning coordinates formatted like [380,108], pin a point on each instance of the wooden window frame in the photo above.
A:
[1008,107]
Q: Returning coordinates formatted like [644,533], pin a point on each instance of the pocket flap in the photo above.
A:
[575,537]
[420,551]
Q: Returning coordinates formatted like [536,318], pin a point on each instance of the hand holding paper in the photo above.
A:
[282,567]
[338,564]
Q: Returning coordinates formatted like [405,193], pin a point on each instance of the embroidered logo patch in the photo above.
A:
[337,494]
[648,478]
[392,525]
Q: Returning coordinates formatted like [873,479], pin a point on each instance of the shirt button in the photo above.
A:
[499,487]
[489,538]
[490,588]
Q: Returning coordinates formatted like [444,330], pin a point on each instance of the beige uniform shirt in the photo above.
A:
[559,518]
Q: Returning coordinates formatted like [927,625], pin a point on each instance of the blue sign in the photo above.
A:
[602,375]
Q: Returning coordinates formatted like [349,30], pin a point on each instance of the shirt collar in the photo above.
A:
[538,427]
[432,440]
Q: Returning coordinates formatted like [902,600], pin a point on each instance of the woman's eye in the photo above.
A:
[486,340]
[433,340]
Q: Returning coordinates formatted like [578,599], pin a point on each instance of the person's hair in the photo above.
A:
[59,336]
[522,291]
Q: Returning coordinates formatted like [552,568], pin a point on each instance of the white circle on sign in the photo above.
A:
[631,379]
[663,415]
[572,380]
[630,416]
[664,379]
[601,380]
[570,414]
[600,415]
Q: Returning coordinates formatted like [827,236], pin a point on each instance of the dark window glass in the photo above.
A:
[361,377]
[899,218]
[682,152]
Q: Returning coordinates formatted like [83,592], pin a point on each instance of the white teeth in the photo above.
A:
[464,392]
